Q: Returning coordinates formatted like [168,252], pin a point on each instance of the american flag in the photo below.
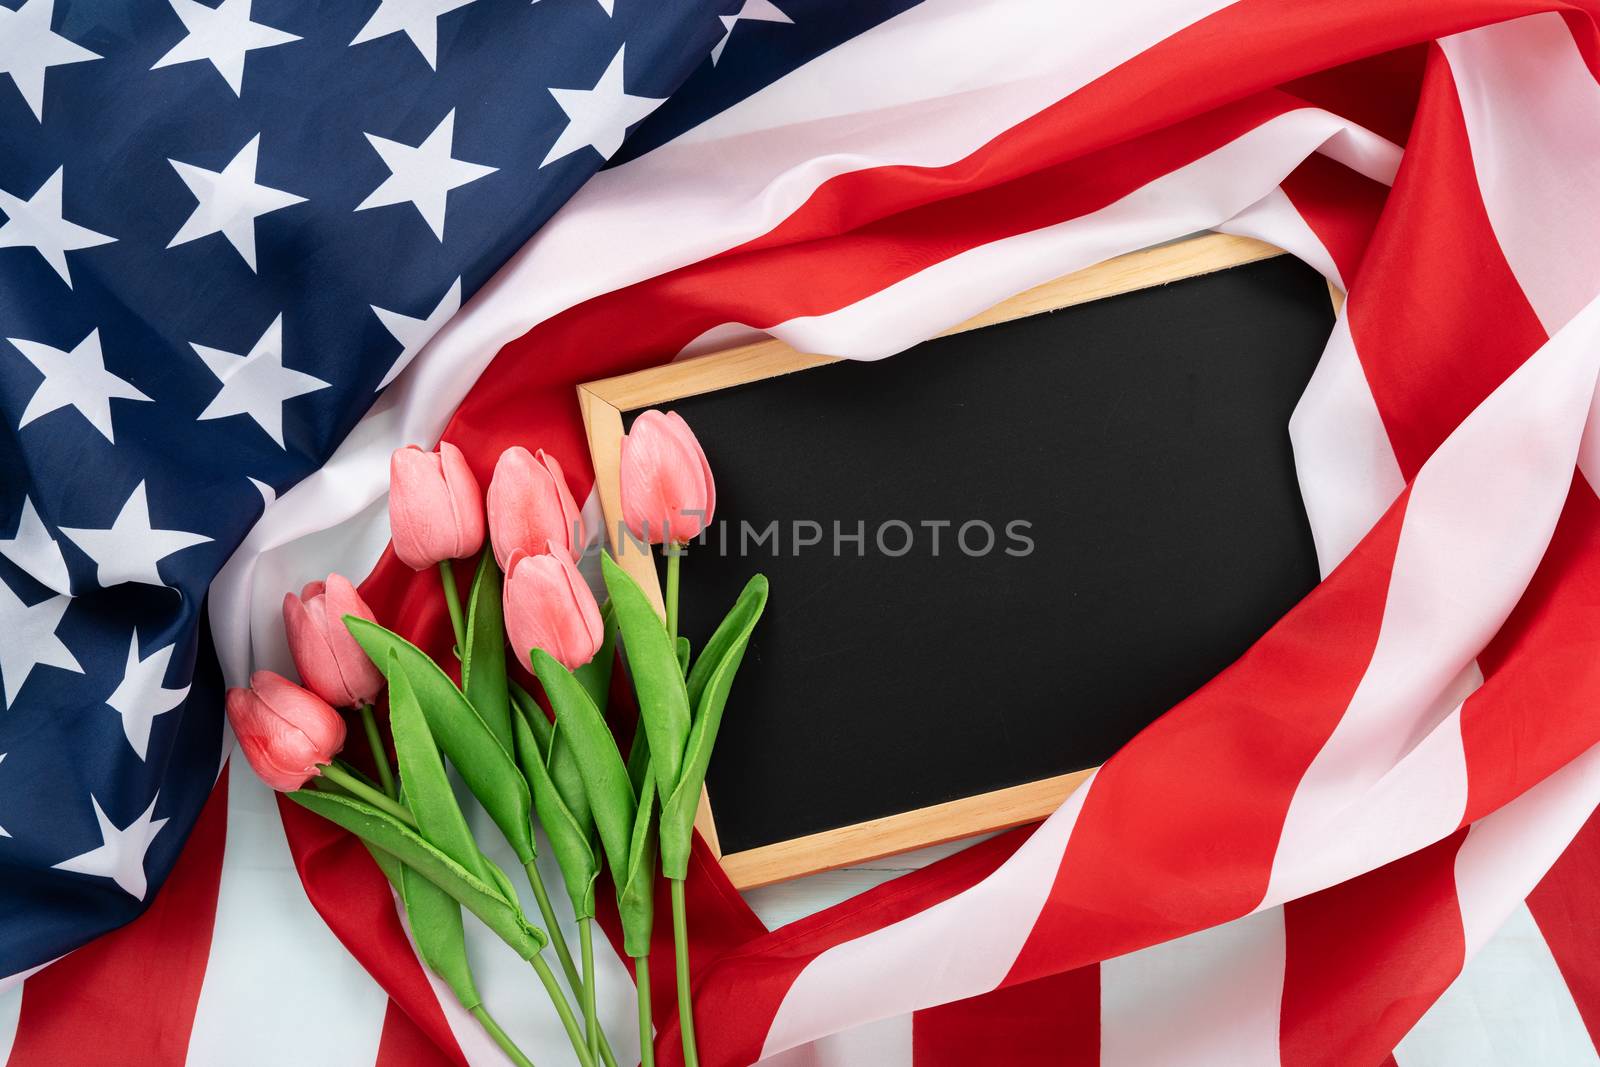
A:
[249,249]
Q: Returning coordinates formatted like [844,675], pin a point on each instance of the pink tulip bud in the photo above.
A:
[435,507]
[530,507]
[331,661]
[548,605]
[285,732]
[667,490]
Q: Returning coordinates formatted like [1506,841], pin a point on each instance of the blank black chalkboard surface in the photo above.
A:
[994,557]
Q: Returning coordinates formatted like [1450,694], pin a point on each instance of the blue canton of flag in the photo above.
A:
[222,229]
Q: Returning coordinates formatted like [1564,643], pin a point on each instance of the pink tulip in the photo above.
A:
[435,507]
[331,662]
[285,732]
[530,507]
[548,605]
[667,490]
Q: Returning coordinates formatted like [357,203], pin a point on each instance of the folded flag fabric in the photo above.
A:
[298,242]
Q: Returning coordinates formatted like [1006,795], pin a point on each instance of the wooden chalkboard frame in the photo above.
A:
[604,403]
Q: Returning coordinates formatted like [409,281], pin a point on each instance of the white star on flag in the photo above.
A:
[220,35]
[30,640]
[142,694]
[256,383]
[35,551]
[423,175]
[120,856]
[130,549]
[36,223]
[752,11]
[414,333]
[417,19]
[28,48]
[77,379]
[598,118]
[229,201]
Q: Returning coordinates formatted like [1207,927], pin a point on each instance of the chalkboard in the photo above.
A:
[1068,522]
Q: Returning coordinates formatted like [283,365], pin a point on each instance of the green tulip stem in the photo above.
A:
[564,1010]
[563,954]
[336,773]
[680,947]
[452,600]
[501,1038]
[548,913]
[647,1030]
[380,755]
[674,560]
[591,1020]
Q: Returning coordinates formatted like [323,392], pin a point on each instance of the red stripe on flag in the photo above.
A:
[129,997]
[1341,207]
[1310,45]
[405,1044]
[1535,712]
[1564,904]
[1440,321]
[1054,1021]
[1364,960]
[744,1009]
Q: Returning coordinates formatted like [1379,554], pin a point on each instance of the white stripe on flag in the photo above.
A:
[955,949]
[885,1043]
[1203,194]
[277,983]
[1210,999]
[1273,219]
[1510,1005]
[10,1014]
[1532,112]
[1342,456]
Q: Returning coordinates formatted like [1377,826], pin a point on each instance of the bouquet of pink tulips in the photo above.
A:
[596,805]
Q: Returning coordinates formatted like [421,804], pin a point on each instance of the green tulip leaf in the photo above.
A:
[428,792]
[639,760]
[542,727]
[636,886]
[435,918]
[582,731]
[559,764]
[568,779]
[461,732]
[596,674]
[682,648]
[657,678]
[732,629]
[568,840]
[390,866]
[483,661]
[727,646]
[385,832]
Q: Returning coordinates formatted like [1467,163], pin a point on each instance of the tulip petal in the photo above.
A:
[465,501]
[420,521]
[361,676]
[306,627]
[285,732]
